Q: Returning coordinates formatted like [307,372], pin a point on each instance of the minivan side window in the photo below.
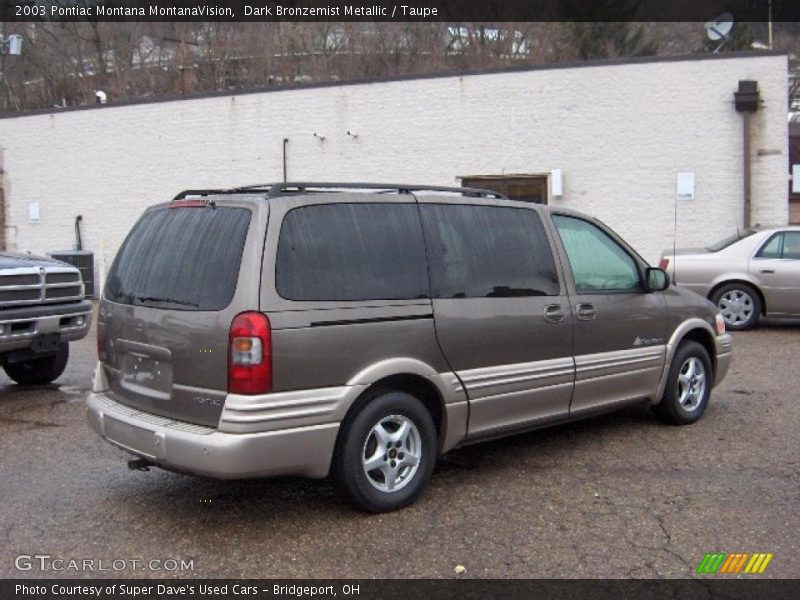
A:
[488,252]
[351,252]
[596,260]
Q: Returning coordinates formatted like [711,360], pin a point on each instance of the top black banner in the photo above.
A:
[492,11]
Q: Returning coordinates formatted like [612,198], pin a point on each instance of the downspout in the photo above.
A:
[285,141]
[78,240]
[746,169]
[746,100]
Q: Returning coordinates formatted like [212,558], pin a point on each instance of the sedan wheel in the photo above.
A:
[739,305]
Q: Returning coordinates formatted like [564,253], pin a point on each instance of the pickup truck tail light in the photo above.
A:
[250,354]
[664,264]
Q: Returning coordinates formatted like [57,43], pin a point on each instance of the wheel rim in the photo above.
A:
[736,307]
[691,384]
[391,453]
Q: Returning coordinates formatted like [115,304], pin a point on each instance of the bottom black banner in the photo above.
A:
[400,589]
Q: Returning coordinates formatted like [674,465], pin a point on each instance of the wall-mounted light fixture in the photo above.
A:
[352,133]
[319,136]
[557,182]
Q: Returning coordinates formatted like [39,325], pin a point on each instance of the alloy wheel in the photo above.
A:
[391,453]
[691,384]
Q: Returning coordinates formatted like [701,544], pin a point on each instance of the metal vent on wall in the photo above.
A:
[83,260]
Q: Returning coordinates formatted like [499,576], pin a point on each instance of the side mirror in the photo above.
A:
[657,279]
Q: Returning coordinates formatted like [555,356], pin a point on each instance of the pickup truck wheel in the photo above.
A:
[386,452]
[689,383]
[739,304]
[39,371]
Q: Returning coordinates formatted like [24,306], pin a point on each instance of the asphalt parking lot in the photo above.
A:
[616,496]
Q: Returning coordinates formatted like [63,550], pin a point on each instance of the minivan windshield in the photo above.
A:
[180,258]
[731,239]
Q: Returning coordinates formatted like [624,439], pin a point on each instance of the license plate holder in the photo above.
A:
[136,439]
[46,343]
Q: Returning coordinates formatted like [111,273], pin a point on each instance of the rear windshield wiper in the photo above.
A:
[170,300]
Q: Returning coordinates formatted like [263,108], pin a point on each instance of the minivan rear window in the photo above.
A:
[352,252]
[183,258]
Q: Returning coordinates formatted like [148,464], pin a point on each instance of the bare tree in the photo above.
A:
[64,63]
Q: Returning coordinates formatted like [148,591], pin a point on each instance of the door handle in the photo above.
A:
[586,312]
[768,271]
[554,313]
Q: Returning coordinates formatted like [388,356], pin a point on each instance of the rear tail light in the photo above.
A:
[664,264]
[250,354]
[188,203]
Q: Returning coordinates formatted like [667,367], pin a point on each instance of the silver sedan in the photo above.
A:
[749,275]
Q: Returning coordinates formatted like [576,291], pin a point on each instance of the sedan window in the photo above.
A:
[791,245]
[772,249]
[782,245]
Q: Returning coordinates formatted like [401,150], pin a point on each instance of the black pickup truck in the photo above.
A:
[42,309]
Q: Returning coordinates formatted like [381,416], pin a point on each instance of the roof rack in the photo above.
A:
[274,190]
[264,187]
[281,189]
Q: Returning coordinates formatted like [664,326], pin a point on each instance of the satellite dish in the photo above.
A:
[719,28]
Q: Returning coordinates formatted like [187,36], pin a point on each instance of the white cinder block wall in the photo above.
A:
[619,132]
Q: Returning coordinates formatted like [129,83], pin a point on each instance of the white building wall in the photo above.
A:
[619,132]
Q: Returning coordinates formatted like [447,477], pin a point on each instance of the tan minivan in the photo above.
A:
[362,330]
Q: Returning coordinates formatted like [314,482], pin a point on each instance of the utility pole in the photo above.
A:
[3,66]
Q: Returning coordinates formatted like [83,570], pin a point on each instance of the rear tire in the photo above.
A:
[688,388]
[386,452]
[39,371]
[739,304]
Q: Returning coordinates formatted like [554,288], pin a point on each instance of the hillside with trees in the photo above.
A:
[64,64]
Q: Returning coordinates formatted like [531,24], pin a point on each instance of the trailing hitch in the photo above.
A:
[139,464]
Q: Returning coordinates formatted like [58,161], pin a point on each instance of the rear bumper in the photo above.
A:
[70,321]
[184,447]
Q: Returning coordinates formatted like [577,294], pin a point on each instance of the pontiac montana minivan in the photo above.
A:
[362,330]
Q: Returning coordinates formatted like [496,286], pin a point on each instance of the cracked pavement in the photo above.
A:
[615,496]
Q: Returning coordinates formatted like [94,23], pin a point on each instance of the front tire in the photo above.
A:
[739,304]
[39,371]
[386,452]
[688,386]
